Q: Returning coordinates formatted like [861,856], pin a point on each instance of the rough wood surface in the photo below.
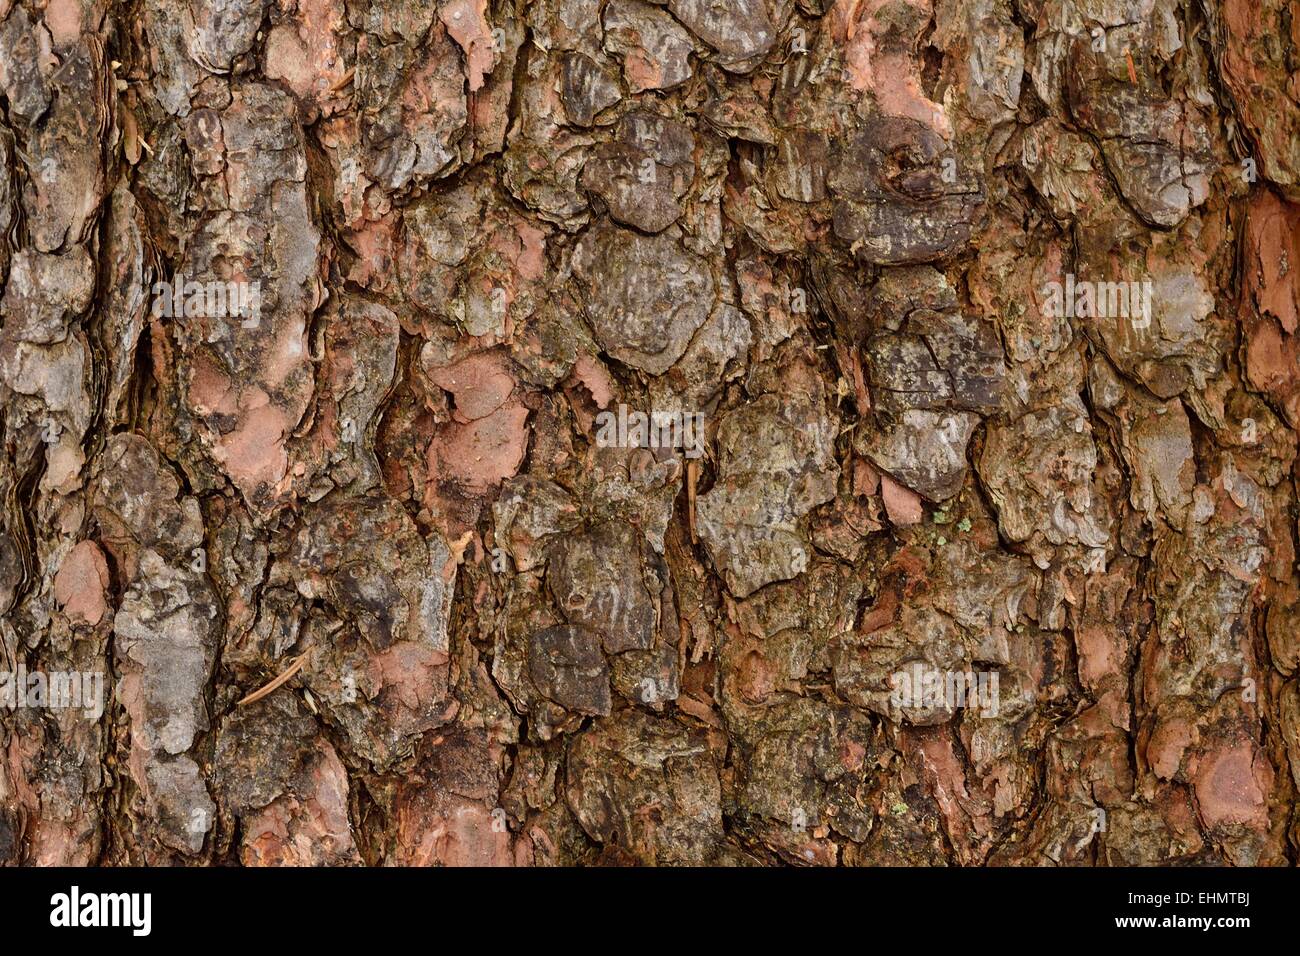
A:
[337,528]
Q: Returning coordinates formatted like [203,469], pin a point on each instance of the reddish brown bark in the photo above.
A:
[967,536]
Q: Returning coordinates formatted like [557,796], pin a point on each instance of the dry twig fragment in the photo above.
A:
[294,666]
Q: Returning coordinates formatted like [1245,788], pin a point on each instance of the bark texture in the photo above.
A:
[873,247]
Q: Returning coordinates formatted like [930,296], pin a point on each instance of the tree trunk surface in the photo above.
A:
[551,432]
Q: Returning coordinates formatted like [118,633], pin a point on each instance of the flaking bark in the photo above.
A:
[473,227]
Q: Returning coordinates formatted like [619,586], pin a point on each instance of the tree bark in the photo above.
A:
[548,432]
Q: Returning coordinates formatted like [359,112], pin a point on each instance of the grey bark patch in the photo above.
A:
[645,296]
[893,203]
[567,665]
